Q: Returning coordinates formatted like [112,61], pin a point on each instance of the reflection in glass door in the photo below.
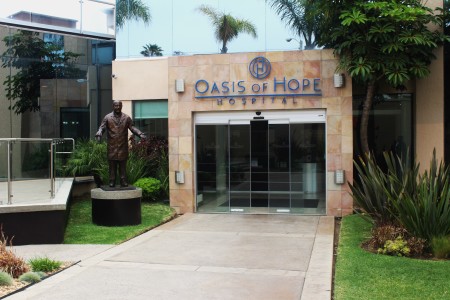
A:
[261,166]
[307,147]
[279,167]
[239,167]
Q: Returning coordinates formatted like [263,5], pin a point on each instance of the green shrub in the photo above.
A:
[5,279]
[372,189]
[154,150]
[417,246]
[162,174]
[44,264]
[136,168]
[88,158]
[41,274]
[441,247]
[150,188]
[397,247]
[425,211]
[30,277]
[419,203]
[381,234]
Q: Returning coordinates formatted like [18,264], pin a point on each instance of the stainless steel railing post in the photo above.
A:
[9,172]
[52,177]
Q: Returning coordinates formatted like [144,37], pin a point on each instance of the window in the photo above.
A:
[103,52]
[151,117]
[390,124]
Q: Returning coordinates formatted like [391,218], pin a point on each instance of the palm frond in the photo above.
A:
[127,10]
[227,27]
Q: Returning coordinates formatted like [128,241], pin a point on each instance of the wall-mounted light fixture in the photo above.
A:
[113,76]
[179,177]
[338,80]
[339,176]
[179,85]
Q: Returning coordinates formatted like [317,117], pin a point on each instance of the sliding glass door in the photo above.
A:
[261,166]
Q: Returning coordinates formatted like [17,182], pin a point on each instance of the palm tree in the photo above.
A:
[302,16]
[151,50]
[226,26]
[127,10]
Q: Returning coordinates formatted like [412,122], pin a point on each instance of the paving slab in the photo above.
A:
[206,256]
[60,252]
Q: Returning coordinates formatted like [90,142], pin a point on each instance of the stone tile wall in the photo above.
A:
[234,67]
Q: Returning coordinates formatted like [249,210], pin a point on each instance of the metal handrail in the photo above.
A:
[53,142]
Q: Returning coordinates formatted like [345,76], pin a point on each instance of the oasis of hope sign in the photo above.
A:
[280,89]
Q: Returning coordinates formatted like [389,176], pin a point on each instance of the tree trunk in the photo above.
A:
[367,106]
[224,48]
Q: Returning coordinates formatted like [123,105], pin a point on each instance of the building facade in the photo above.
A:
[254,132]
[250,132]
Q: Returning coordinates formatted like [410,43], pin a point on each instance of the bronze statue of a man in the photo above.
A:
[116,124]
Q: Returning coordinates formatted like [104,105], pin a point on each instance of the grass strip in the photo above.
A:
[364,275]
[81,230]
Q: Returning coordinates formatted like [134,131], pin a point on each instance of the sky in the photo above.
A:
[177,25]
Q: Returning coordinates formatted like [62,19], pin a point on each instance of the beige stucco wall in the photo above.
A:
[429,113]
[140,79]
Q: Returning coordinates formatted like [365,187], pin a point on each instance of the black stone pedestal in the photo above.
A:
[119,207]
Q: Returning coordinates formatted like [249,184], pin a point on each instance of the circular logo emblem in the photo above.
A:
[260,67]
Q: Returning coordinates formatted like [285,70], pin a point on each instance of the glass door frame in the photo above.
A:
[290,117]
[253,208]
[239,209]
[280,208]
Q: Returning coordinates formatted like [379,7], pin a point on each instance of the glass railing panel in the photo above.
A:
[63,149]
[30,169]
[3,172]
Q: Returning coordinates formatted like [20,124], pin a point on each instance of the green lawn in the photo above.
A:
[81,230]
[364,275]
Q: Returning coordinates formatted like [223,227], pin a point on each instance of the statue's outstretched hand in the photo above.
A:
[143,136]
[99,138]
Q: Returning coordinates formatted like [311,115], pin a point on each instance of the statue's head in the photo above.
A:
[117,106]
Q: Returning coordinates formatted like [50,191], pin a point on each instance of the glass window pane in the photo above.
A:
[156,127]
[212,168]
[153,109]
[49,73]
[308,168]
[390,124]
[240,170]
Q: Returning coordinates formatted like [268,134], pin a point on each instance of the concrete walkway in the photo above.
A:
[201,256]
